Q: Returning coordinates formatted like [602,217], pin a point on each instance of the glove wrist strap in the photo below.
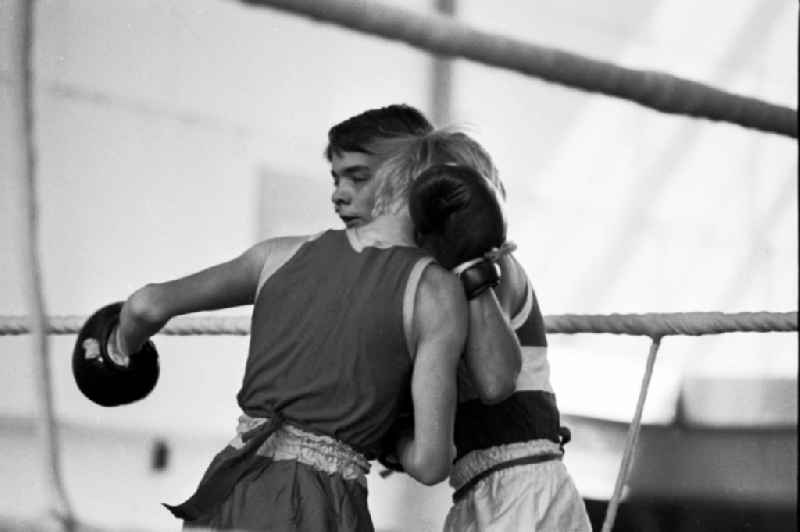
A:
[480,274]
[479,277]
[461,268]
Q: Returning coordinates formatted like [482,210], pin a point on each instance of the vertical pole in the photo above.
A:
[24,164]
[441,76]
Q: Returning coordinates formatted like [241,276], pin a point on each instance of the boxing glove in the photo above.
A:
[105,376]
[458,218]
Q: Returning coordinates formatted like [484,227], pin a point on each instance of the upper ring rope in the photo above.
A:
[652,324]
[440,34]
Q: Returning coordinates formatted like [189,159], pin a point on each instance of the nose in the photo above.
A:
[341,195]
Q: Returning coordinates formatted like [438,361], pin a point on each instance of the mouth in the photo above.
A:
[350,221]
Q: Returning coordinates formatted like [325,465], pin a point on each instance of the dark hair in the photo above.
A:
[358,132]
[456,214]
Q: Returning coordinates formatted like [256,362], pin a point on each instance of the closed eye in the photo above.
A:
[356,173]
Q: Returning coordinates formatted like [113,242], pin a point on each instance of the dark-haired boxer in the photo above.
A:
[342,322]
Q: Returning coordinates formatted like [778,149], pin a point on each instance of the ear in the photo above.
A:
[418,238]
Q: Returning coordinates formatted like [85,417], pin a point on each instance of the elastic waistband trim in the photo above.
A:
[525,460]
[321,452]
[475,463]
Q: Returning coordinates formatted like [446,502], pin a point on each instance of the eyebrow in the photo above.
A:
[350,170]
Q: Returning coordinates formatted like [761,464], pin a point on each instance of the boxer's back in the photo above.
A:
[328,346]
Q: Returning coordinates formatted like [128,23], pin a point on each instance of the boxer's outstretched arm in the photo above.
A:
[440,324]
[229,284]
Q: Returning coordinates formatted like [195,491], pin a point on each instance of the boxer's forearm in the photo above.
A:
[493,354]
[142,316]
[441,322]
[228,284]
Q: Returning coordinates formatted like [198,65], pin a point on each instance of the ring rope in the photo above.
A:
[671,324]
[632,439]
[58,510]
[651,324]
[442,35]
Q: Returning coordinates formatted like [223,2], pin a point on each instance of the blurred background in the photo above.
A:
[172,135]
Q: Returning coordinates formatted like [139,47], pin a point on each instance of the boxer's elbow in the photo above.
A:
[497,388]
[497,391]
[494,368]
[429,473]
[431,479]
[496,384]
[431,467]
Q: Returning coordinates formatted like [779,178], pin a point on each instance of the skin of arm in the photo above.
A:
[440,325]
[224,285]
[494,356]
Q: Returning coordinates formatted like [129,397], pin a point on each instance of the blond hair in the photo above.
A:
[403,159]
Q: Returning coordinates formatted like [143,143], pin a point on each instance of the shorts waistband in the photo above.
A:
[321,452]
[276,438]
[484,461]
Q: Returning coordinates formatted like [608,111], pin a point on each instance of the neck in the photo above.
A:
[386,230]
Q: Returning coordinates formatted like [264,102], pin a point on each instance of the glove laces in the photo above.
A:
[493,255]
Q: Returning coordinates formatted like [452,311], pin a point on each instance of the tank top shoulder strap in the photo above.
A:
[279,251]
[409,300]
[521,316]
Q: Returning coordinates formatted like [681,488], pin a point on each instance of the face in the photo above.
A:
[353,187]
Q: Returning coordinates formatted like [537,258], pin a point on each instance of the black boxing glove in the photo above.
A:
[458,218]
[103,374]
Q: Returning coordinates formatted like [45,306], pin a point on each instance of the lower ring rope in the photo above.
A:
[651,324]
[675,323]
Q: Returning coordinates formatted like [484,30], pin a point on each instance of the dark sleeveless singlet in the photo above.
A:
[328,354]
[525,415]
[328,347]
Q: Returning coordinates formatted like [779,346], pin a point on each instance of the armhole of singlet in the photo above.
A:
[409,300]
[279,251]
[519,319]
